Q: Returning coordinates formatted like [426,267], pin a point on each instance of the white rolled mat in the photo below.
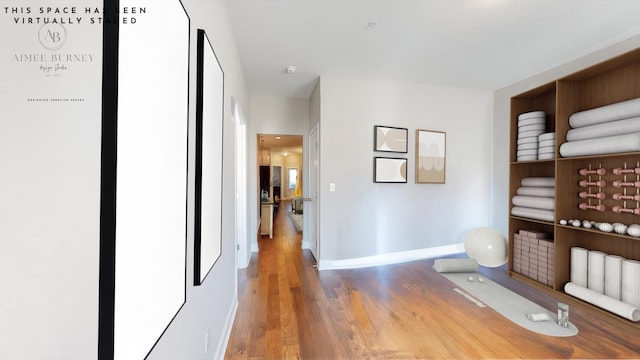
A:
[538,181]
[456,265]
[547,136]
[579,263]
[536,191]
[595,271]
[631,282]
[618,111]
[618,127]
[613,276]
[601,146]
[536,202]
[527,146]
[531,213]
[527,157]
[527,140]
[530,133]
[546,156]
[544,143]
[603,301]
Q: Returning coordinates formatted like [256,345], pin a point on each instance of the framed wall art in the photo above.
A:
[389,170]
[390,139]
[430,157]
[208,190]
[143,239]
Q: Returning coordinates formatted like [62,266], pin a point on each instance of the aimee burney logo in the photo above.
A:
[54,27]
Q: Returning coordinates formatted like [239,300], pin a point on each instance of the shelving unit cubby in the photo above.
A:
[609,82]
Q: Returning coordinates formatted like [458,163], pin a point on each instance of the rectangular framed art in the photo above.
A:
[430,157]
[389,170]
[390,139]
[208,190]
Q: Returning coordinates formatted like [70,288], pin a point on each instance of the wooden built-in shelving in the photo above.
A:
[610,82]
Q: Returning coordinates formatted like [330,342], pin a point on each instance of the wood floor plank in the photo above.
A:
[289,310]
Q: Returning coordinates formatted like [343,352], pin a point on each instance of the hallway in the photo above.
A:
[287,309]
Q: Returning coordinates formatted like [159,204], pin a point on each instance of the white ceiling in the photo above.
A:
[475,44]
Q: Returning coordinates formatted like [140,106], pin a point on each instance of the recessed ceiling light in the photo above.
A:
[278,138]
[290,69]
[372,24]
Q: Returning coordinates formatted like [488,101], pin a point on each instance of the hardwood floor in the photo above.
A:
[290,310]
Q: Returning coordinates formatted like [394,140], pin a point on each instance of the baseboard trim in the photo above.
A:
[391,258]
[228,326]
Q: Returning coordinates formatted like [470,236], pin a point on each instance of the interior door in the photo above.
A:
[311,210]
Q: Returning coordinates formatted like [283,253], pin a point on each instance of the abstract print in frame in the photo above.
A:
[209,129]
[389,170]
[390,139]
[430,157]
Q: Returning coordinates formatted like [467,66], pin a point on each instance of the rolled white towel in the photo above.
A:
[538,181]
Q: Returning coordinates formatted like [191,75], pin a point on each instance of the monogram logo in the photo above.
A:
[52,36]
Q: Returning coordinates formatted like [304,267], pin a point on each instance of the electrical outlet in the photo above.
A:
[332,186]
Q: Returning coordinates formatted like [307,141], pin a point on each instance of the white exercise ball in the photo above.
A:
[487,246]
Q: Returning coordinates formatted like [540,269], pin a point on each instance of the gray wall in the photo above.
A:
[364,219]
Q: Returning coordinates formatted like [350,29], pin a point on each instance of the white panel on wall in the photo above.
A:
[49,179]
[150,258]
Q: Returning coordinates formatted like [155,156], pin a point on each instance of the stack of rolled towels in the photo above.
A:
[607,281]
[609,129]
[530,126]
[535,199]
[547,146]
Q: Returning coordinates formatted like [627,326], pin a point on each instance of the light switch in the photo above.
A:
[332,187]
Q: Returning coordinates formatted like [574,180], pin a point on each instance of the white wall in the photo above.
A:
[49,191]
[502,100]
[364,219]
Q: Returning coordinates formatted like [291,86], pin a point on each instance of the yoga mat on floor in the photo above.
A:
[618,111]
[601,146]
[539,181]
[510,305]
[603,301]
[619,127]
[456,265]
[579,262]
[595,271]
[631,282]
[531,213]
[536,202]
[536,191]
[613,276]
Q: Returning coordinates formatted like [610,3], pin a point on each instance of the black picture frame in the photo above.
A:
[389,170]
[209,159]
[390,139]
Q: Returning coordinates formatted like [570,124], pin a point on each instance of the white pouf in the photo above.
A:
[487,246]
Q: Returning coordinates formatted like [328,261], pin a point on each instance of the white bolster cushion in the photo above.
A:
[531,213]
[537,202]
[608,303]
[536,191]
[618,111]
[619,127]
[456,265]
[539,181]
[601,146]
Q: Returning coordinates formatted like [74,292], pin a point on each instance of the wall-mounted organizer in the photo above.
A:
[592,121]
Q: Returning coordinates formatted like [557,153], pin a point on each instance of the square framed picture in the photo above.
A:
[389,170]
[390,139]
[430,157]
